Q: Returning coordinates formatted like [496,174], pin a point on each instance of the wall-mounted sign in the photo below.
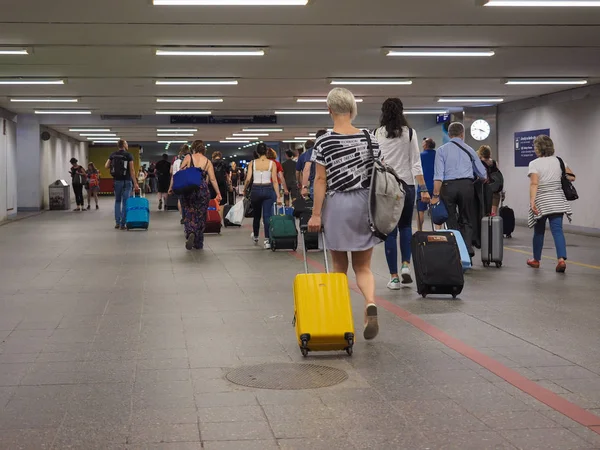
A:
[441,118]
[524,152]
[220,120]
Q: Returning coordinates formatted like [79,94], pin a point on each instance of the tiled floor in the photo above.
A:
[121,340]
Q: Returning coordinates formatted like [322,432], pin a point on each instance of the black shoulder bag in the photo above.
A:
[567,187]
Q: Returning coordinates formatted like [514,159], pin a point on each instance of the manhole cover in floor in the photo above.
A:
[286,376]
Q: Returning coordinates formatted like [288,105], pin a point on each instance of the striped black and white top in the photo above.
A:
[346,159]
[550,198]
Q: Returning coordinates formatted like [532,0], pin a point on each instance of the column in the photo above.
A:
[29,188]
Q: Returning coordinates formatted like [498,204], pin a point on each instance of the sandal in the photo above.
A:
[371,325]
[561,267]
[189,243]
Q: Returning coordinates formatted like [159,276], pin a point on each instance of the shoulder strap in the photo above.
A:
[369,144]
[562,166]
[464,150]
[410,134]
[270,165]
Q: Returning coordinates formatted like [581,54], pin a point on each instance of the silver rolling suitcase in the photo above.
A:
[492,241]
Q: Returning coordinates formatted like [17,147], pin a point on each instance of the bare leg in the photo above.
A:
[361,264]
[89,196]
[340,262]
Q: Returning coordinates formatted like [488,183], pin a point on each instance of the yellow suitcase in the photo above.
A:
[323,310]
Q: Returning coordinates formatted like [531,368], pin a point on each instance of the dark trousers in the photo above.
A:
[459,197]
[262,198]
[78,190]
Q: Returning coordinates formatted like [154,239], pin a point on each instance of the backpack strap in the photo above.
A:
[410,134]
[369,144]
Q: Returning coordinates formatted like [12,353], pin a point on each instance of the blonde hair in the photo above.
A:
[184,150]
[271,154]
[544,146]
[342,101]
[485,152]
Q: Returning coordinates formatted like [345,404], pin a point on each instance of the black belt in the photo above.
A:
[459,179]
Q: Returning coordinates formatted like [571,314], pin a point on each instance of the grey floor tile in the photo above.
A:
[231,414]
[545,439]
[517,420]
[159,433]
[226,399]
[25,439]
[235,431]
[149,417]
[242,445]
[316,444]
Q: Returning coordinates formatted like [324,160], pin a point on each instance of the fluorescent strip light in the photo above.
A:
[248,138]
[545,82]
[105,142]
[189,100]
[249,135]
[172,142]
[441,52]
[302,112]
[374,82]
[13,51]
[29,82]
[543,3]
[211,52]
[470,100]
[293,141]
[230,2]
[174,135]
[184,113]
[64,111]
[320,100]
[234,142]
[425,111]
[100,138]
[176,130]
[305,138]
[98,134]
[261,130]
[90,130]
[196,82]
[44,100]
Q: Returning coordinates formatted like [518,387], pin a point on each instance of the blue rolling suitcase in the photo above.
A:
[465,259]
[138,213]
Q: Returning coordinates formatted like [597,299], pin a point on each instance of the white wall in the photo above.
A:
[8,178]
[573,118]
[55,156]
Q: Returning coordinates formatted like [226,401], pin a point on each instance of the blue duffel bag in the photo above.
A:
[187,181]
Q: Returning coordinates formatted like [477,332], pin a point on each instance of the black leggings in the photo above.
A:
[78,189]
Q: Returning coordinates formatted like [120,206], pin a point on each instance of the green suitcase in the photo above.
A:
[284,235]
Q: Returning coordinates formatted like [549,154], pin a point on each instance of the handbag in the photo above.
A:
[439,213]
[567,186]
[188,180]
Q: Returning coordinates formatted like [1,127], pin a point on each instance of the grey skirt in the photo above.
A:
[346,223]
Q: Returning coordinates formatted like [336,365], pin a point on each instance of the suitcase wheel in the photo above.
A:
[304,352]
[498,265]
[454,296]
[349,351]
[273,247]
[424,294]
[486,264]
[350,348]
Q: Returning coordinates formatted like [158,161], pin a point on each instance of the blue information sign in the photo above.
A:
[524,152]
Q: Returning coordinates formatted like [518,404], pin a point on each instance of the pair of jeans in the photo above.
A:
[405,229]
[556,227]
[78,190]
[123,190]
[459,197]
[262,199]
[153,184]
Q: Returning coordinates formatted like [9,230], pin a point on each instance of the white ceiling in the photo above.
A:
[105,51]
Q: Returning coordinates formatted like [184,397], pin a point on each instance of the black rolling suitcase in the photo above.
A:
[508,220]
[171,203]
[311,240]
[437,263]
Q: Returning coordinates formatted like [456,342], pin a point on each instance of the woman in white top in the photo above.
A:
[265,191]
[547,201]
[400,150]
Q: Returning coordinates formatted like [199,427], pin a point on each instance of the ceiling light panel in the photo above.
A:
[439,52]
[302,112]
[172,142]
[293,141]
[174,134]
[262,130]
[249,134]
[29,82]
[470,100]
[547,82]
[230,2]
[98,134]
[105,142]
[210,51]
[234,142]
[425,111]
[196,82]
[184,113]
[176,130]
[247,138]
[189,100]
[320,100]
[63,111]
[542,3]
[13,51]
[100,138]
[44,100]
[371,82]
[89,130]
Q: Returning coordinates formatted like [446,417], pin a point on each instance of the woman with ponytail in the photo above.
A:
[400,149]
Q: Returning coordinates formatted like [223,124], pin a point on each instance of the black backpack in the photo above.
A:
[119,168]
[220,171]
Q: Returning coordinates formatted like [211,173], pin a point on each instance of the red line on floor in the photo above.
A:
[549,398]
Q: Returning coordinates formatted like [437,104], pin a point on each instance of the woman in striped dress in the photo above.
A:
[547,202]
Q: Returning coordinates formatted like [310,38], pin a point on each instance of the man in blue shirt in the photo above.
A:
[310,170]
[456,167]
[303,159]
[428,165]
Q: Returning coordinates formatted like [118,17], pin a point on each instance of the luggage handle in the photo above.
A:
[303,231]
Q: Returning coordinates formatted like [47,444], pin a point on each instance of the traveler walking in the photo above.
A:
[163,177]
[491,166]
[152,177]
[428,166]
[548,201]
[234,176]
[289,174]
[121,168]
[77,181]
[264,192]
[183,151]
[456,166]
[400,149]
[309,171]
[222,172]
[93,184]
[344,212]
[272,155]
[195,205]
[302,160]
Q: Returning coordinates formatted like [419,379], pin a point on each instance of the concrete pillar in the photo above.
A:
[29,189]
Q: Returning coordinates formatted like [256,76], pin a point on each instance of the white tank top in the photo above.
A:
[261,176]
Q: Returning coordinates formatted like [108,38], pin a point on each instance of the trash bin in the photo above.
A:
[60,195]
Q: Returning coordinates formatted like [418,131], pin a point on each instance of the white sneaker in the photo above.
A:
[267,244]
[406,276]
[394,284]
[254,238]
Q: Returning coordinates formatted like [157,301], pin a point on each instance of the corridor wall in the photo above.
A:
[8,176]
[573,118]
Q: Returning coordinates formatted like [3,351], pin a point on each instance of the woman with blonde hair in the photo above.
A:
[344,166]
[548,201]
[195,205]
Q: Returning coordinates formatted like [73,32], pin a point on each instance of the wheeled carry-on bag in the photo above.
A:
[437,263]
[138,213]
[323,310]
[508,220]
[282,230]
[311,240]
[213,218]
[171,203]
[492,241]
[465,258]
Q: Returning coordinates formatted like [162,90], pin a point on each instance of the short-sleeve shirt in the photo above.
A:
[127,157]
[347,160]
[279,166]
[163,168]
[547,168]
[303,159]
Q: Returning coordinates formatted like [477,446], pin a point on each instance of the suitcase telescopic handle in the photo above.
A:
[303,231]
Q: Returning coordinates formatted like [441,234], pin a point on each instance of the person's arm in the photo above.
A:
[533,188]
[417,168]
[305,177]
[282,183]
[274,177]
[213,181]
[320,186]
[438,176]
[570,175]
[248,177]
[107,165]
[133,177]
